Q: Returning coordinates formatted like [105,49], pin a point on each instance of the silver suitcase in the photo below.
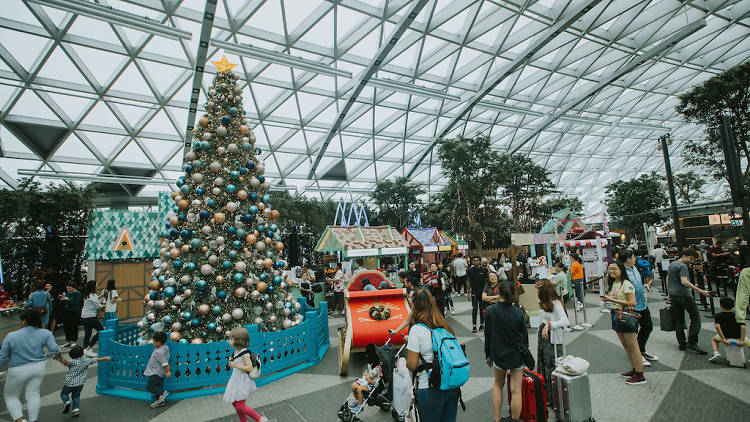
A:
[571,397]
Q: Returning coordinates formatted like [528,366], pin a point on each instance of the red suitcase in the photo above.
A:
[533,397]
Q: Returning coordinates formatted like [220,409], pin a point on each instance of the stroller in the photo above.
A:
[382,394]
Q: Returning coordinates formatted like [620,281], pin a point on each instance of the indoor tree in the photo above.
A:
[219,265]
[397,201]
[688,187]
[633,202]
[523,186]
[725,94]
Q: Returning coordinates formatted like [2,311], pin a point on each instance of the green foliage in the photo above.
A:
[396,201]
[724,94]
[636,201]
[688,187]
[523,185]
[305,217]
[24,214]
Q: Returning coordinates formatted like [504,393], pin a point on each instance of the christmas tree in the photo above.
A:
[219,264]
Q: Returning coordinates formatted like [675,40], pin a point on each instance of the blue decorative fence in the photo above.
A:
[202,369]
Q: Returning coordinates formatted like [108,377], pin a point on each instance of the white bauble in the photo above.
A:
[157,263]
[254,182]
[216,191]
[286,324]
[190,156]
[215,166]
[213,259]
[219,181]
[220,240]
[206,269]
[240,266]
[231,206]
[237,313]
[206,229]
[233,148]
[226,317]
[261,168]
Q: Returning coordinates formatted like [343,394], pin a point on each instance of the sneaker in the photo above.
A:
[263,419]
[91,353]
[66,408]
[160,401]
[76,412]
[697,350]
[453,312]
[628,374]
[567,329]
[636,379]
[66,344]
[481,327]
[474,329]
[683,347]
[650,357]
[579,306]
[645,362]
[715,356]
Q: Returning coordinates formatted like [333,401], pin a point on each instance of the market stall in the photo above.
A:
[426,245]
[458,244]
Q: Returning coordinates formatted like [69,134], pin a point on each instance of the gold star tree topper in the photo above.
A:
[224,64]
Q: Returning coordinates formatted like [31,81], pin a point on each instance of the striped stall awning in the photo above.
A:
[585,242]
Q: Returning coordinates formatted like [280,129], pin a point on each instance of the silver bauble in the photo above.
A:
[287,311]
[176,326]
[233,148]
[216,191]
[190,156]
[213,259]
[157,262]
[286,324]
[207,136]
[220,240]
[178,299]
[221,150]
[215,166]
[261,168]
[260,246]
[221,131]
[206,229]
[213,245]
[197,177]
[240,266]
[269,306]
[231,206]
[226,317]
[156,272]
[206,269]
[219,181]
[272,318]
[258,321]
[191,217]
[237,313]
[254,182]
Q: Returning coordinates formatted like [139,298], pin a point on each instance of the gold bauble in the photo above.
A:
[197,341]
[219,217]
[175,336]
[268,262]
[183,204]
[239,292]
[204,309]
[261,286]
[153,285]
[174,253]
[251,239]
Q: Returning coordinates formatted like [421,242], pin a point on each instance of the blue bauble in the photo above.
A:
[186,188]
[234,174]
[195,322]
[258,151]
[175,209]
[179,182]
[240,233]
[262,276]
[226,120]
[186,315]
[232,254]
[269,233]
[271,288]
[217,309]
[233,111]
[247,218]
[181,217]
[261,227]
[204,215]
[197,163]
[231,230]
[211,202]
[197,145]
[183,341]
[277,280]
[211,326]
[243,170]
[238,277]
[206,145]
[280,264]
[169,291]
[253,196]
[199,191]
[167,225]
[188,169]
[269,253]
[250,165]
[273,227]
[201,284]
[227,264]
[190,266]
[167,319]
[253,209]
[221,294]
[230,188]
[195,243]
[266,198]
[236,244]
[177,263]
[261,178]
[185,234]
[178,243]
[288,305]
[246,146]
[162,278]
[266,297]
[153,296]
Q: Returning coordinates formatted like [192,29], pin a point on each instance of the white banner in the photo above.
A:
[392,251]
[361,252]
[430,249]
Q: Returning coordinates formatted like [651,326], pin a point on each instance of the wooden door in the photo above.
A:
[132,285]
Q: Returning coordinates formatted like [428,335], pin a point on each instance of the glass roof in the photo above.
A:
[584,87]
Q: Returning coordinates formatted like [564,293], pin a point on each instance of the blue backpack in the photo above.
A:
[450,367]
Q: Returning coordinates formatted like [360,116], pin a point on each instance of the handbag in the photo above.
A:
[625,319]
[666,319]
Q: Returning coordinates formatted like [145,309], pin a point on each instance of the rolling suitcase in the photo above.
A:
[571,397]
[533,397]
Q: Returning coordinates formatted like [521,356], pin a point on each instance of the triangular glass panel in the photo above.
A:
[101,115]
[132,81]
[85,27]
[57,62]
[104,142]
[160,124]
[165,47]
[73,147]
[100,63]
[322,33]
[131,155]
[25,48]
[30,105]
[456,24]
[336,172]
[72,105]
[12,144]
[369,44]
[43,140]
[267,18]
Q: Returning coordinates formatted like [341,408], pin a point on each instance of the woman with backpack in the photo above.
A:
[505,336]
[39,301]
[433,404]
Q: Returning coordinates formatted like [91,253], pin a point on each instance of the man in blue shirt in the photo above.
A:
[645,325]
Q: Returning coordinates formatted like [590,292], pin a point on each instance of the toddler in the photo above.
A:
[78,370]
[728,328]
[157,369]
[363,385]
[244,364]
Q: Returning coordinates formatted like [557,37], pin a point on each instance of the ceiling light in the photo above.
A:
[246,50]
[117,17]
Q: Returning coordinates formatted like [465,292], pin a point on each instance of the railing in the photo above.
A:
[202,369]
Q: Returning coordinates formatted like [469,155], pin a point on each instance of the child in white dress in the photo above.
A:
[243,364]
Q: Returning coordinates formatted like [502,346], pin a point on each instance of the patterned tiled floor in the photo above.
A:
[681,386]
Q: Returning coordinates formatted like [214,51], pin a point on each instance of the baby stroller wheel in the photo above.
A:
[396,416]
[385,406]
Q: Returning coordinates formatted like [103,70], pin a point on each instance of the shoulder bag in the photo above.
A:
[625,319]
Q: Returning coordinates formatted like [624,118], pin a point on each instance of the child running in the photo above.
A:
[243,363]
[78,371]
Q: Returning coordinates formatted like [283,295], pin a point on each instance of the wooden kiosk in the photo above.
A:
[428,244]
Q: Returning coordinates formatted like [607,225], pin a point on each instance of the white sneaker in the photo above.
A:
[453,312]
[579,306]
[649,356]
[91,353]
[715,356]
[645,362]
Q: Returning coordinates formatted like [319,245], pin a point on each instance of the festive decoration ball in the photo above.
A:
[186,315]
[160,304]
[254,182]
[226,120]
[213,259]
[233,110]
[196,340]
[204,309]
[255,295]
[205,145]
[219,217]
[211,326]
[242,194]
[243,130]
[216,309]
[238,277]
[169,291]
[175,336]
[261,286]
[230,188]
[275,214]
[187,293]
[272,319]
[253,209]
[279,246]
[195,243]
[178,299]
[221,150]
[287,311]
[236,244]
[268,262]
[154,285]
[286,324]
[221,294]
[231,206]
[240,266]
[190,156]
[260,246]
[261,178]
[201,284]
[183,204]
[233,148]
[227,264]
[197,178]
[237,313]
[240,292]
[195,322]
[258,321]
[221,131]
[204,215]
[206,269]
[215,167]
[269,306]
[297,306]
[226,317]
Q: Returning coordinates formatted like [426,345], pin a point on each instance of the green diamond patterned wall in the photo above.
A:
[106,226]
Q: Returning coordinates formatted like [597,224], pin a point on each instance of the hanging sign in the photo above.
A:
[392,251]
[444,248]
[361,252]
[430,249]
